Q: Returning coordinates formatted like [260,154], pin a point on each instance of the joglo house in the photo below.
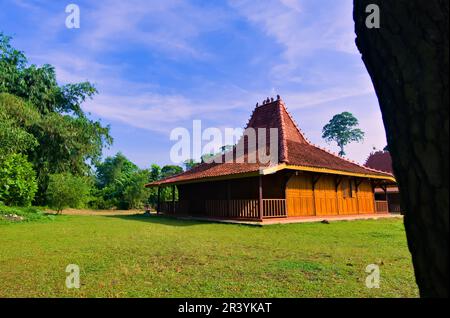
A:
[306,180]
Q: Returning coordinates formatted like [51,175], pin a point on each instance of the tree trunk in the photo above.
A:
[407,59]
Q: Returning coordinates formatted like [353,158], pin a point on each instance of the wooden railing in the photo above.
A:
[237,209]
[382,206]
[274,208]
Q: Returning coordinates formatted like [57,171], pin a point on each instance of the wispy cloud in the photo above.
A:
[161,64]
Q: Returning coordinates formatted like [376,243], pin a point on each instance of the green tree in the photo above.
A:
[170,170]
[66,190]
[135,194]
[115,170]
[67,141]
[17,180]
[341,129]
[15,119]
[189,164]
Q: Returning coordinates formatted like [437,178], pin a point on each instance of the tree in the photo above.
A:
[170,170]
[66,190]
[15,119]
[135,193]
[115,170]
[408,61]
[67,141]
[189,164]
[341,129]
[17,180]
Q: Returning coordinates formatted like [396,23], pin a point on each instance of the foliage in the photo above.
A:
[341,129]
[17,180]
[27,213]
[115,170]
[66,190]
[189,164]
[135,194]
[170,170]
[16,117]
[58,137]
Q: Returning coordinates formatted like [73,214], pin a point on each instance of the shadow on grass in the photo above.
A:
[160,219]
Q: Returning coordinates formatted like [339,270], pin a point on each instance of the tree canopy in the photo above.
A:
[45,120]
[342,130]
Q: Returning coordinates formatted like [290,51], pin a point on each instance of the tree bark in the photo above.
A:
[407,59]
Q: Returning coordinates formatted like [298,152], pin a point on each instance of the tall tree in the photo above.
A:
[407,58]
[67,141]
[342,129]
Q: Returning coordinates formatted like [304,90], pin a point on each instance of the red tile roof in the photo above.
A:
[293,150]
[380,160]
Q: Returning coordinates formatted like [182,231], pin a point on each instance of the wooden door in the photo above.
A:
[299,196]
[325,196]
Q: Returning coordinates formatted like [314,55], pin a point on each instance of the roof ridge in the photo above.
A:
[283,145]
[294,122]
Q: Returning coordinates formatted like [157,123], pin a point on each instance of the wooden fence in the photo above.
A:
[381,206]
[236,209]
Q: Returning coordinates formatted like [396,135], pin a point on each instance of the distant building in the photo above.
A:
[381,160]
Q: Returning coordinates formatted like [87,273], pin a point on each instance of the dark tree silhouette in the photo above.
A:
[407,59]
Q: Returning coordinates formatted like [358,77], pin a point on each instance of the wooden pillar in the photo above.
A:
[315,178]
[357,184]
[337,182]
[374,186]
[384,187]
[158,202]
[228,197]
[173,199]
[260,200]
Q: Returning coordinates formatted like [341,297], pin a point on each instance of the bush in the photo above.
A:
[17,180]
[67,191]
[23,214]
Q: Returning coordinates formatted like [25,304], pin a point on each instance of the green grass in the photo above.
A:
[138,256]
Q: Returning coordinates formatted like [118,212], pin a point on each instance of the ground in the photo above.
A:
[148,256]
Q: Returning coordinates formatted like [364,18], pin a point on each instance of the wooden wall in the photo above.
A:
[327,198]
[301,200]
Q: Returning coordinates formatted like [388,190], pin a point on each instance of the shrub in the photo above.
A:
[17,180]
[65,190]
[24,214]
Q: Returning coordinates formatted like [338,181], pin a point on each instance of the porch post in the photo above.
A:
[228,198]
[315,178]
[158,202]
[173,199]
[357,195]
[260,200]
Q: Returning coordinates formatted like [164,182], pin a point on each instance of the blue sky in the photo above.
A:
[159,65]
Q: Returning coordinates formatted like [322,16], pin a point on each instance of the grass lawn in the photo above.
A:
[141,256]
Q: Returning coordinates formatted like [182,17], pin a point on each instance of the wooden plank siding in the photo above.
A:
[284,194]
[349,197]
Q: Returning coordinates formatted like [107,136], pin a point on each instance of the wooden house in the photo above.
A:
[305,181]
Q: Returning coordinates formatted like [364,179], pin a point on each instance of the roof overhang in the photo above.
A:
[285,166]
[275,169]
